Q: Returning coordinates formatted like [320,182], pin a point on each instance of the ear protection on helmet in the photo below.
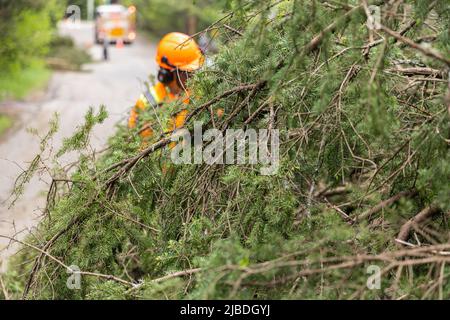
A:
[164,75]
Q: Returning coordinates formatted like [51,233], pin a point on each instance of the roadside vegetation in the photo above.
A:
[17,85]
[30,44]
[162,16]
[5,123]
[27,29]
[363,184]
[65,55]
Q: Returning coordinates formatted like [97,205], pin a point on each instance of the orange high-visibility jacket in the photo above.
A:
[157,95]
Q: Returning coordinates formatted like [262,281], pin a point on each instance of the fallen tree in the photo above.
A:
[364,147]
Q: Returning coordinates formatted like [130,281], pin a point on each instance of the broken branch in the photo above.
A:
[421,217]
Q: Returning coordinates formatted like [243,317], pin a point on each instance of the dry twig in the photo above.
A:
[421,217]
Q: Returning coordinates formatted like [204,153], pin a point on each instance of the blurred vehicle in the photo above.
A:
[115,22]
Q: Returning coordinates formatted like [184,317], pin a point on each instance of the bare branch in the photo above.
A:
[429,53]
[421,217]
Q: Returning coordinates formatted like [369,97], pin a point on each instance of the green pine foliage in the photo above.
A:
[27,29]
[355,130]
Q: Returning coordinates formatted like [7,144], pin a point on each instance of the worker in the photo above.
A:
[178,56]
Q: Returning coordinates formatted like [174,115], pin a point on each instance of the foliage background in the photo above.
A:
[160,17]
[357,132]
[27,29]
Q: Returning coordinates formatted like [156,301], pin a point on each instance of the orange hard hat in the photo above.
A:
[178,50]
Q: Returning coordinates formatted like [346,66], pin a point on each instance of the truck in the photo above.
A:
[115,22]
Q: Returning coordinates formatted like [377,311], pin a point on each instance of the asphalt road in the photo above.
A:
[115,83]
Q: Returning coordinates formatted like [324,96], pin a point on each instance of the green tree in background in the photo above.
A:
[162,16]
[27,29]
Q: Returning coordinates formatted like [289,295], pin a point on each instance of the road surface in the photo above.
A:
[115,83]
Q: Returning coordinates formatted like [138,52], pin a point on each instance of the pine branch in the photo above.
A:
[225,94]
[386,203]
[317,40]
[127,164]
[427,52]
[421,217]
[418,71]
[86,273]
[3,287]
